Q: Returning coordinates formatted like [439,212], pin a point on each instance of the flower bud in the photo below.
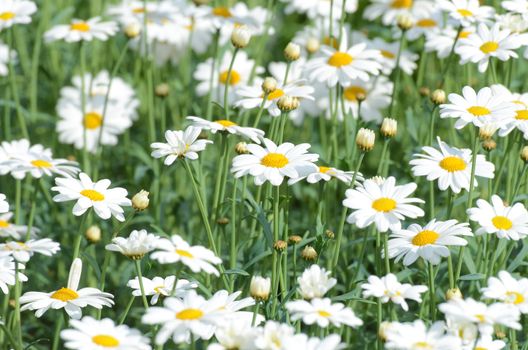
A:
[222,221]
[162,90]
[330,234]
[259,288]
[241,148]
[486,131]
[438,97]
[379,180]
[389,127]
[424,91]
[288,103]
[294,239]
[292,52]
[365,139]
[132,29]
[280,246]
[309,253]
[269,85]
[453,293]
[404,21]
[240,37]
[312,45]
[524,153]
[93,234]
[140,201]
[489,144]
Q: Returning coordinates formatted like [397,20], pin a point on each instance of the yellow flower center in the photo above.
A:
[80,26]
[423,345]
[225,123]
[93,195]
[502,222]
[480,348]
[387,54]
[340,59]
[222,12]
[384,204]
[401,4]
[452,164]
[425,237]
[324,313]
[478,111]
[465,13]
[426,23]
[6,16]
[352,92]
[39,163]
[277,93]
[324,169]
[189,314]
[464,34]
[515,297]
[480,317]
[106,341]
[522,114]
[138,10]
[274,160]
[92,120]
[65,294]
[489,47]
[234,77]
[4,224]
[158,289]
[184,253]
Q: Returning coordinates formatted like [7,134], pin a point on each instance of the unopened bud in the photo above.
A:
[486,131]
[132,29]
[404,21]
[140,201]
[241,148]
[524,153]
[93,234]
[453,293]
[489,144]
[365,139]
[294,239]
[378,180]
[438,97]
[280,246]
[330,234]
[222,221]
[240,37]
[259,288]
[162,90]
[312,45]
[288,103]
[292,52]
[269,85]
[424,91]
[389,127]
[309,253]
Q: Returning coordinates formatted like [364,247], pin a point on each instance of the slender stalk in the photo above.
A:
[234,226]
[397,74]
[261,109]
[228,82]
[78,238]
[14,90]
[127,309]
[56,339]
[211,77]
[450,57]
[432,299]
[386,252]
[275,256]
[137,264]
[17,322]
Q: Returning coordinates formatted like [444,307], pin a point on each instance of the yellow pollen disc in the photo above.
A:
[324,169]
[274,160]
[6,16]
[452,164]
[401,4]
[277,93]
[4,224]
[340,59]
[464,34]
[138,10]
[324,313]
[515,297]
[189,314]
[387,54]
[384,204]
[39,163]
[425,237]
[65,294]
[80,26]
[522,114]
[422,345]
[502,222]
[234,78]
[158,289]
[92,120]
[478,111]
[465,13]
[106,341]
[222,12]
[426,23]
[480,348]
[330,42]
[225,123]
[489,47]
[351,93]
[480,317]
[93,195]
[184,253]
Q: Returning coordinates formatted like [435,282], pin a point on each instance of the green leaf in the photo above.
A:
[237,271]
[473,277]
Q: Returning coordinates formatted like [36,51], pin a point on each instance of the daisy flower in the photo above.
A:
[377,93]
[89,334]
[390,10]
[181,317]
[227,126]
[322,312]
[467,12]
[442,41]
[23,251]
[485,317]
[4,206]
[70,297]
[9,152]
[415,335]
[479,108]
[430,242]
[273,162]
[508,290]
[521,111]
[252,96]
[315,9]
[326,174]
[16,12]
[486,342]
[344,64]
[234,333]
[426,24]
[13,231]
[486,43]
[387,288]
[516,6]
[389,54]
[510,222]
[197,258]
[7,273]
[315,282]
[136,245]
[79,30]
[450,166]
[272,336]
[227,302]
[105,202]
[159,286]
[384,204]
[181,144]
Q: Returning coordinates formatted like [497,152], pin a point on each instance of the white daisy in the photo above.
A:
[323,312]
[389,55]
[16,12]
[430,242]
[521,111]
[467,12]
[234,333]
[425,24]
[79,30]
[273,162]
[377,93]
[10,151]
[314,282]
[23,251]
[510,222]
[442,41]
[70,297]
[13,231]
[390,10]
[197,258]
[416,336]
[91,334]
[227,126]
[180,144]
[4,206]
[324,173]
[136,245]
[509,290]
[273,336]
[450,166]
[517,6]
[486,342]
[387,288]
[106,202]
[385,204]
[315,9]
[159,286]
[7,273]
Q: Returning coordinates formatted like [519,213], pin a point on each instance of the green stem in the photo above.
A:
[137,263]
[78,238]
[397,73]
[227,83]
[432,301]
[14,89]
